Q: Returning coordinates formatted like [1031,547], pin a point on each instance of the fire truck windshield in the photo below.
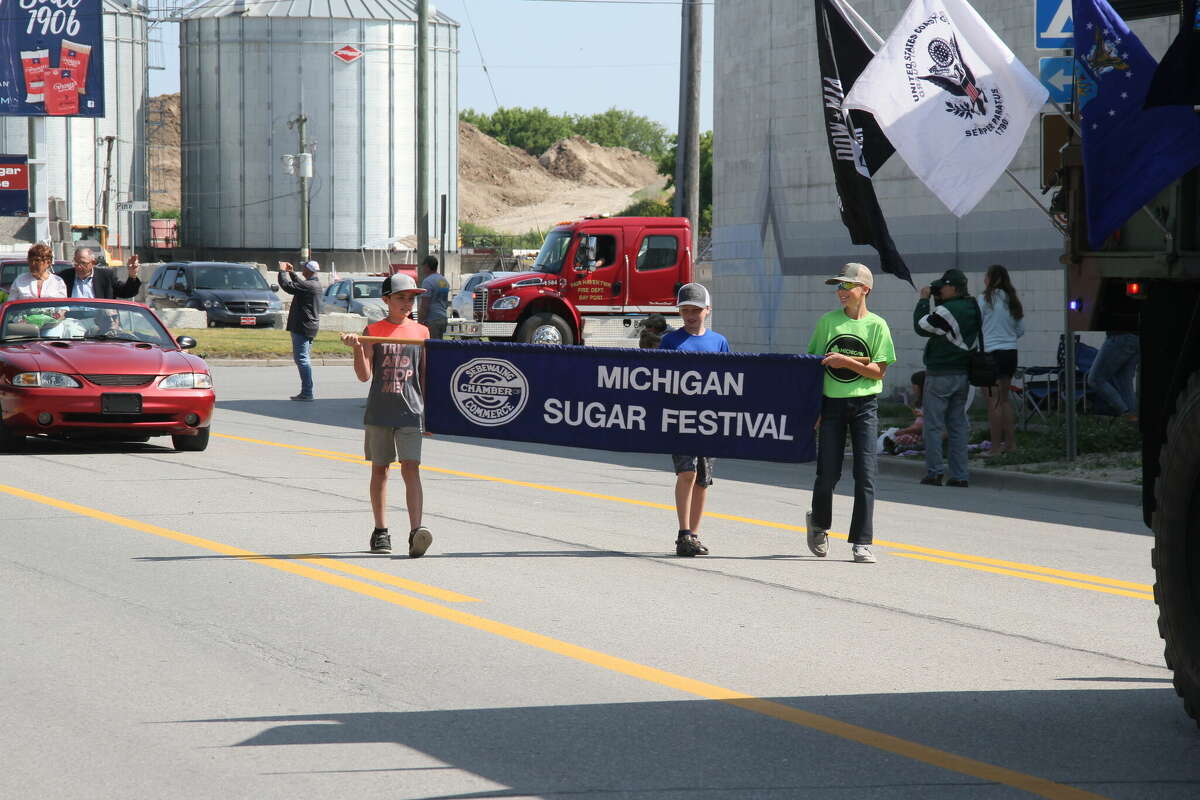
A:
[554,251]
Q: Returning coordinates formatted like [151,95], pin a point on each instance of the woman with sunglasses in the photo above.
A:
[856,348]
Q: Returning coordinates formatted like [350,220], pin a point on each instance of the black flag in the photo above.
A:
[1177,79]
[856,144]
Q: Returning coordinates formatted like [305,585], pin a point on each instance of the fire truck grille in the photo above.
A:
[480,301]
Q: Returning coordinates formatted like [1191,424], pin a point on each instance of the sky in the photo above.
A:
[570,56]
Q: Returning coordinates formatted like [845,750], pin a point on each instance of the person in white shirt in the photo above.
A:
[1003,324]
[40,281]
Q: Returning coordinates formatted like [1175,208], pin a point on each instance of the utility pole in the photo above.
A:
[108,147]
[687,147]
[303,168]
[422,200]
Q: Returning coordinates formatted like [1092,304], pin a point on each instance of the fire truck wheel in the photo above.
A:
[545,328]
[1176,554]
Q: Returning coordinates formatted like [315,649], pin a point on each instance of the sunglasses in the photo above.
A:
[846,286]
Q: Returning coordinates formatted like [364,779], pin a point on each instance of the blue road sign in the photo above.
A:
[1056,74]
[1053,30]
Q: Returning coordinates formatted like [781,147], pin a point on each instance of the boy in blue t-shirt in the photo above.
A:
[693,474]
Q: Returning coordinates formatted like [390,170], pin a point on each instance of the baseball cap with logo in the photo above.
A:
[853,273]
[312,266]
[398,283]
[693,294]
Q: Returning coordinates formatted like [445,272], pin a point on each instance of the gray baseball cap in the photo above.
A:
[693,294]
[395,284]
[312,266]
[854,273]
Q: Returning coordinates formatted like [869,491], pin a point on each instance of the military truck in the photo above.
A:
[1148,281]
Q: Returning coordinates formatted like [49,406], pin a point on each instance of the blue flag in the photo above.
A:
[1130,153]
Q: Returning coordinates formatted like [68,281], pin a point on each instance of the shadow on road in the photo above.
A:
[714,749]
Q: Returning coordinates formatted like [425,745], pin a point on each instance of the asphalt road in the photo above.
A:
[209,625]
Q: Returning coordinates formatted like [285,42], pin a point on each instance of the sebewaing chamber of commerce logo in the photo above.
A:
[489,391]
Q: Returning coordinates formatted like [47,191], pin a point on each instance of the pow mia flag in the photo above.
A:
[856,145]
[951,97]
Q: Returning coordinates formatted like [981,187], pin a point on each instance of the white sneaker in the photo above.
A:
[863,554]
[818,540]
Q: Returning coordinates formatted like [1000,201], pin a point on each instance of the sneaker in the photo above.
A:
[818,540]
[958,483]
[381,541]
[303,398]
[689,545]
[862,554]
[419,541]
[932,480]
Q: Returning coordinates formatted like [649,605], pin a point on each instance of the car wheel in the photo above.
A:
[10,441]
[545,328]
[191,444]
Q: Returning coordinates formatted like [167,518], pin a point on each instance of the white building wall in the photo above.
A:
[773,189]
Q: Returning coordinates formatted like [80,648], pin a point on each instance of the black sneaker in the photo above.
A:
[303,398]
[958,483]
[689,545]
[932,480]
[418,541]
[381,541]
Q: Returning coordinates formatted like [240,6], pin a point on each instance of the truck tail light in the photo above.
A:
[1135,289]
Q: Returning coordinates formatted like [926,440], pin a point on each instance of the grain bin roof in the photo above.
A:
[405,10]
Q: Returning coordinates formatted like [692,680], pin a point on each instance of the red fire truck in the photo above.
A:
[594,281]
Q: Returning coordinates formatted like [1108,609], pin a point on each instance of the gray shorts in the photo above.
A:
[383,445]
[702,466]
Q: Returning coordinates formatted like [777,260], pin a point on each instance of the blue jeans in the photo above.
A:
[1111,375]
[859,415]
[302,355]
[945,402]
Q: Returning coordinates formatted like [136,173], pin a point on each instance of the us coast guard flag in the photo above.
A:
[951,97]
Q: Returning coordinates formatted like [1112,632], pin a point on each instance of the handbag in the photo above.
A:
[981,366]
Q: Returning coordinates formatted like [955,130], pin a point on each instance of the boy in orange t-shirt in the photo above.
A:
[395,409]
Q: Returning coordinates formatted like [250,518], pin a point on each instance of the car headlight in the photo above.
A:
[212,303]
[274,304]
[505,303]
[187,380]
[55,380]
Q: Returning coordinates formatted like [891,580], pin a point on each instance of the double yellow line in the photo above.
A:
[303,566]
[994,566]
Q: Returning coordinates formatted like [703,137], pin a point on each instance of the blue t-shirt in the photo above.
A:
[708,342]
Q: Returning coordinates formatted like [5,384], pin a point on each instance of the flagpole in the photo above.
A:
[848,9]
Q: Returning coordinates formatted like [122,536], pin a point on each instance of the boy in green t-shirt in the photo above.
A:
[857,346]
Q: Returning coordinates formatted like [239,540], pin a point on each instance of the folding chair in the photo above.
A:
[1042,388]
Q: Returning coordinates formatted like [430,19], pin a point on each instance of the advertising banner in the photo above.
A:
[721,405]
[51,58]
[14,186]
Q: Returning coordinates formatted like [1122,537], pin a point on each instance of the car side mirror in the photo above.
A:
[274,287]
[343,296]
[185,342]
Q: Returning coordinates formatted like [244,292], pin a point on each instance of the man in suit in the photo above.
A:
[88,280]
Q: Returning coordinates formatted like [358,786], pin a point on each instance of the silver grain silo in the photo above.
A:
[75,149]
[249,69]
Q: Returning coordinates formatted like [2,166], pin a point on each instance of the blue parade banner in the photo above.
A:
[51,58]
[722,405]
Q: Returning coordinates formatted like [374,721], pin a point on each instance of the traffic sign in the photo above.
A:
[1057,75]
[134,205]
[1054,30]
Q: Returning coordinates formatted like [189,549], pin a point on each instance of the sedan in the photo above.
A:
[107,369]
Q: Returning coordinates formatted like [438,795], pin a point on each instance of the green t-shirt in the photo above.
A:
[869,336]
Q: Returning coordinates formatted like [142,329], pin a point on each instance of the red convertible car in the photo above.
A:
[87,368]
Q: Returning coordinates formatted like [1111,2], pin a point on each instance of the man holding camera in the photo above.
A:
[950,319]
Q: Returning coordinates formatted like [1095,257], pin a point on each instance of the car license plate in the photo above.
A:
[249,320]
[124,403]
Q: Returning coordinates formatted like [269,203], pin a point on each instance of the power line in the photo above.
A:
[482,60]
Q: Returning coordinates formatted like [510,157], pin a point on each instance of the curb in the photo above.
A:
[276,362]
[992,478]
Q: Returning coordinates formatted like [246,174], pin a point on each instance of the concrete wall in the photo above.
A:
[777,231]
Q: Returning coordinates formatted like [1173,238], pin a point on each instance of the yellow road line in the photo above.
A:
[818,722]
[1027,576]
[1078,580]
[392,580]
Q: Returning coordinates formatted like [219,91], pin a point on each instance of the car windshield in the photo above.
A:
[364,290]
[554,250]
[9,273]
[81,319]
[230,278]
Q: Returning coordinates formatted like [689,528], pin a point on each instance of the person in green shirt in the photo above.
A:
[857,348]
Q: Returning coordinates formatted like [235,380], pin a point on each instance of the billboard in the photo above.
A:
[14,186]
[52,58]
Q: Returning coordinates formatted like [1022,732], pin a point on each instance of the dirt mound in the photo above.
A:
[576,159]
[163,129]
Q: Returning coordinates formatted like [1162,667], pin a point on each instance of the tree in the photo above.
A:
[531,129]
[617,128]
[666,166]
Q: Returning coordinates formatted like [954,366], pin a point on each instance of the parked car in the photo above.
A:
[462,304]
[230,294]
[86,368]
[10,268]
[360,294]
